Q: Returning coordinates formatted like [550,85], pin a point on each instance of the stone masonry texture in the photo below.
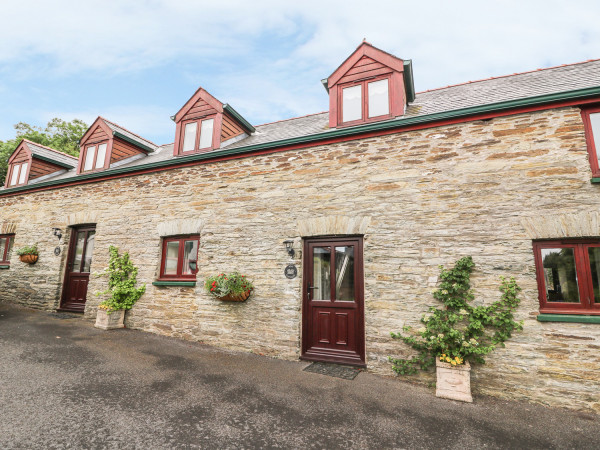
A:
[421,199]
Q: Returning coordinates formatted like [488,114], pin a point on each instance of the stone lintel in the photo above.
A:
[180,226]
[557,226]
[333,225]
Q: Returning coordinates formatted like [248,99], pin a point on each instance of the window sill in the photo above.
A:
[595,180]
[567,318]
[4,266]
[174,283]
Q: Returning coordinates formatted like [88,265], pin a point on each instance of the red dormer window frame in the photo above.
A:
[364,100]
[9,173]
[94,145]
[590,139]
[198,121]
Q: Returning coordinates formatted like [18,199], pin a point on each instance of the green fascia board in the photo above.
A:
[409,82]
[401,122]
[146,148]
[55,162]
[228,108]
[4,267]
[573,318]
[174,283]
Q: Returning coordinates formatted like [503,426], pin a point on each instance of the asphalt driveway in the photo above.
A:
[66,384]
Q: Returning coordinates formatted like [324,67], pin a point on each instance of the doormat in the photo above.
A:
[333,370]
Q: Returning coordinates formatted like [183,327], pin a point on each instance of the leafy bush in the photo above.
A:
[28,250]
[122,280]
[460,332]
[231,283]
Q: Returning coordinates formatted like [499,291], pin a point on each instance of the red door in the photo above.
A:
[333,326]
[77,275]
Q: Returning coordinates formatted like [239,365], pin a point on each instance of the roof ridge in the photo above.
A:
[129,131]
[50,148]
[291,118]
[508,75]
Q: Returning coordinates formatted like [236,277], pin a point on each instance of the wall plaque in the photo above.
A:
[57,251]
[290,271]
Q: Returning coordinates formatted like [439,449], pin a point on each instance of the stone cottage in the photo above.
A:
[340,218]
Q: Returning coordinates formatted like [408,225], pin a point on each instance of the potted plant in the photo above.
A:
[460,332]
[122,290]
[233,287]
[28,254]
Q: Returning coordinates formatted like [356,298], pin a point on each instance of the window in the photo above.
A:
[19,174]
[194,140]
[568,276]
[95,157]
[366,100]
[5,248]
[179,258]
[591,122]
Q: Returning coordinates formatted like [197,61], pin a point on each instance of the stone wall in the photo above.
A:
[421,198]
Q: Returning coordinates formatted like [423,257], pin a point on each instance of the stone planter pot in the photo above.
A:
[453,382]
[235,298]
[110,321]
[29,259]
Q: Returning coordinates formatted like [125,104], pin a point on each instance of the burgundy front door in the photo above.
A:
[333,305]
[77,275]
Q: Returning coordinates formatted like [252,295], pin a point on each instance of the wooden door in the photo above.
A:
[77,274]
[333,305]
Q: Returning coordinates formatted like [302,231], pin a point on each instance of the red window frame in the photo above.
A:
[7,248]
[364,100]
[163,258]
[198,133]
[86,148]
[589,138]
[9,173]
[587,303]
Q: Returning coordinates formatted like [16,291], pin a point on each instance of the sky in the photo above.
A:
[137,62]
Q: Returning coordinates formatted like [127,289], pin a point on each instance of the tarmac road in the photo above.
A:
[66,384]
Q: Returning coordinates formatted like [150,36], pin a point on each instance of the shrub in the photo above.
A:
[460,332]
[122,280]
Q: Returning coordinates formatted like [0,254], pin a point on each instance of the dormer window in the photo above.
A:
[194,141]
[204,124]
[95,157]
[19,174]
[371,85]
[366,100]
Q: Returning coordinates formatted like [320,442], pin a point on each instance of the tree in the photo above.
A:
[57,134]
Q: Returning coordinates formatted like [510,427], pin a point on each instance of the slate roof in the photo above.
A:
[51,154]
[129,134]
[476,93]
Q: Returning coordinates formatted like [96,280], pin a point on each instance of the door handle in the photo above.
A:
[309,288]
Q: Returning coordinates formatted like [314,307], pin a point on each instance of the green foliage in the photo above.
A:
[231,283]
[122,281]
[58,134]
[28,250]
[460,331]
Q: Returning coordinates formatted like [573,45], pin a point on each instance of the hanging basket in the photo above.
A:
[29,259]
[235,297]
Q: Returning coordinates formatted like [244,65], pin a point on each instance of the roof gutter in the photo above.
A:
[399,123]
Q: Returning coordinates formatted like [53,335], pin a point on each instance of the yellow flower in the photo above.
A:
[448,359]
[453,363]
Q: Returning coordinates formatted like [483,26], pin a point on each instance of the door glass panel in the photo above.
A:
[23,173]
[190,254]
[379,102]
[206,133]
[321,273]
[171,258]
[352,103]
[344,273]
[560,275]
[594,254]
[2,248]
[101,156]
[89,249]
[77,254]
[189,137]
